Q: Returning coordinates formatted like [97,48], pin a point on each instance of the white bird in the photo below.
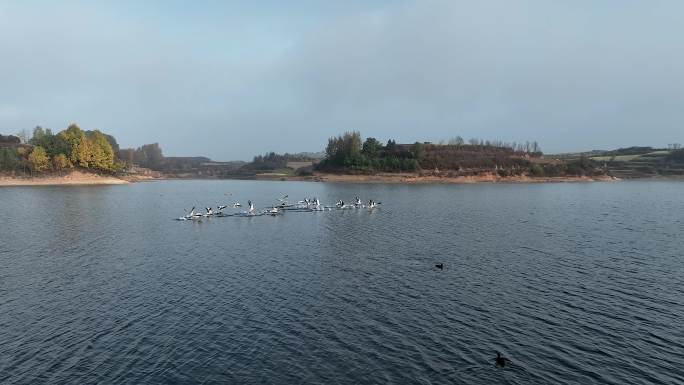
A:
[193,215]
[283,200]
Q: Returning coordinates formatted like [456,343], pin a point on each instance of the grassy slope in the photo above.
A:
[644,165]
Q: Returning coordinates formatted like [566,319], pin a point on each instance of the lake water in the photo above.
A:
[579,283]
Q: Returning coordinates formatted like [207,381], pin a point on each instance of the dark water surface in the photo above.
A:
[575,283]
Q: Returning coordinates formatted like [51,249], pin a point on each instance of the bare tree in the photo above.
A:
[24,135]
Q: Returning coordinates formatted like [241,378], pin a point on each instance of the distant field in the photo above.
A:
[298,165]
[629,158]
[278,172]
[619,158]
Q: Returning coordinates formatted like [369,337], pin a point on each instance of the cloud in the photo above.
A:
[230,80]
[565,75]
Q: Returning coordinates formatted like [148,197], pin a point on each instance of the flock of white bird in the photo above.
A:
[308,204]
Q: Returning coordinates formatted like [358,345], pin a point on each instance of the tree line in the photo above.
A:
[72,147]
[347,152]
[520,147]
[148,155]
[45,151]
[274,161]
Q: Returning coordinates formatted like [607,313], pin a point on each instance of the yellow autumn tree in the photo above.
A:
[39,159]
[102,154]
[60,162]
[78,148]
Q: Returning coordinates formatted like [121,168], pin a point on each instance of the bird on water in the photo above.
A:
[440,266]
[501,361]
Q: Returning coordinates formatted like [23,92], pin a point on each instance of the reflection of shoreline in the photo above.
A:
[72,178]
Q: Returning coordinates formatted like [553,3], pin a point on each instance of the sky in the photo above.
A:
[232,79]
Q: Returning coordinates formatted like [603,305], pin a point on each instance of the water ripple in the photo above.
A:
[575,288]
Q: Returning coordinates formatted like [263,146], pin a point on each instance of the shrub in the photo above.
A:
[537,170]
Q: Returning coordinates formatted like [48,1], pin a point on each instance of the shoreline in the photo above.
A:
[80,178]
[417,179]
[74,178]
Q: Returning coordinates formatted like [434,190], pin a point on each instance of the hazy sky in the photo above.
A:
[233,79]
